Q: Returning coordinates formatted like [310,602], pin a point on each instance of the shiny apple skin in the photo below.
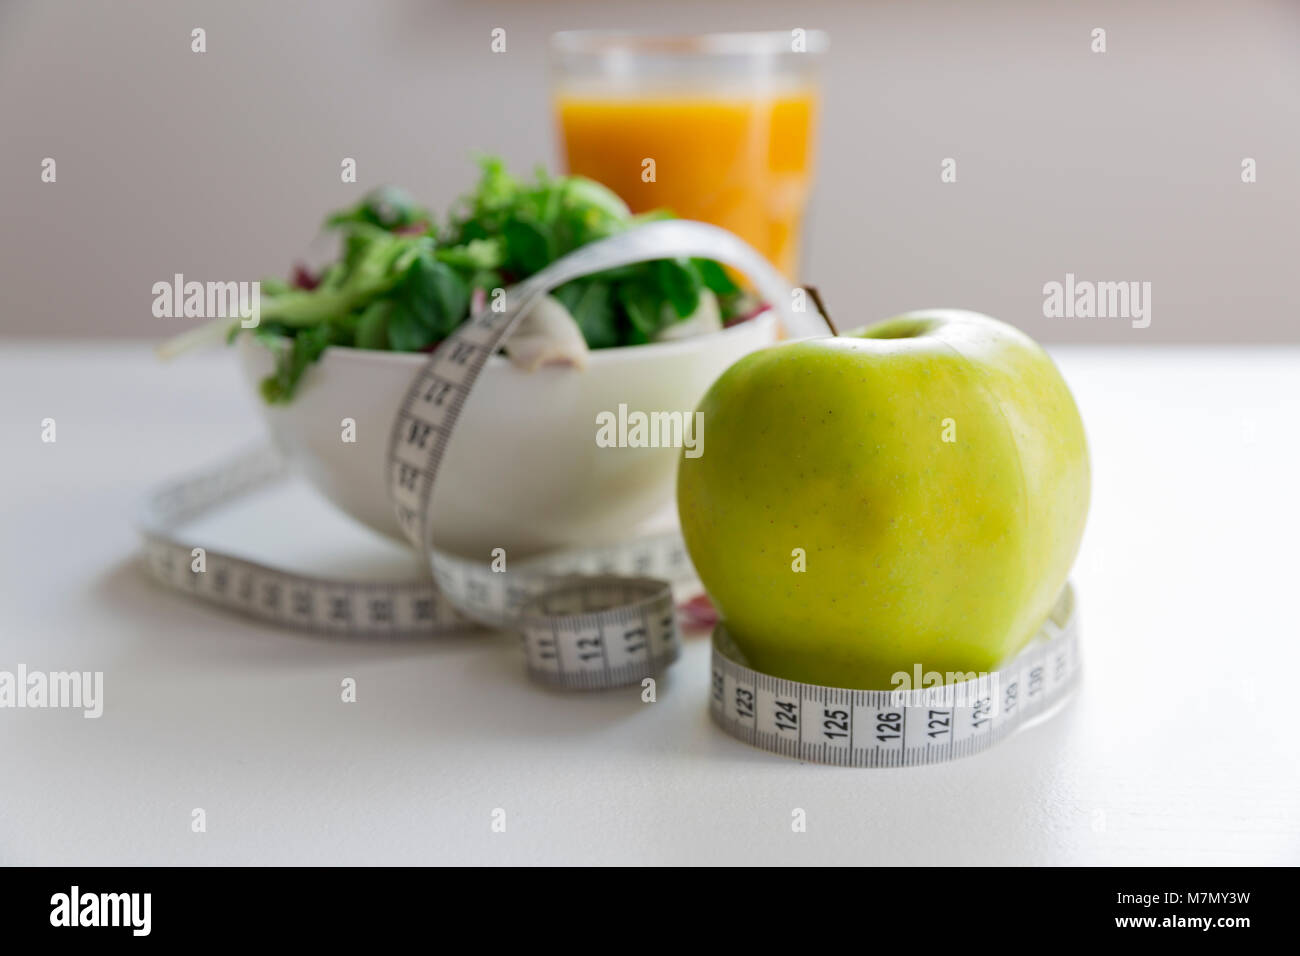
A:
[946,555]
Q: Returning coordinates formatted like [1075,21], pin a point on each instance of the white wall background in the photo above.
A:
[1122,166]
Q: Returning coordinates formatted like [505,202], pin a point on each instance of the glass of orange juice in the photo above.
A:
[715,127]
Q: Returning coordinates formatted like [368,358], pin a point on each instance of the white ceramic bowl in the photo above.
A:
[523,471]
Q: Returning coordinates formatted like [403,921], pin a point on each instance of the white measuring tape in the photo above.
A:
[416,608]
[596,618]
[904,728]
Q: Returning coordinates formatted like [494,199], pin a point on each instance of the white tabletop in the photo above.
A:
[1180,745]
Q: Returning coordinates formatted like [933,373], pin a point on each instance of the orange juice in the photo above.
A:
[742,162]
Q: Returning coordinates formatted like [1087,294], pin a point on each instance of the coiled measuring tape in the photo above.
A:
[594,618]
[897,728]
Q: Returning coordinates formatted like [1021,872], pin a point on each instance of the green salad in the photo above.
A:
[403,283]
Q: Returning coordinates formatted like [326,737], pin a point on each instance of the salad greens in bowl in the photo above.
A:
[403,283]
[523,470]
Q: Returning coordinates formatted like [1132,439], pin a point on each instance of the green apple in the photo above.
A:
[912,493]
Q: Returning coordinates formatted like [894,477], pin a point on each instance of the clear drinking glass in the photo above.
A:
[715,127]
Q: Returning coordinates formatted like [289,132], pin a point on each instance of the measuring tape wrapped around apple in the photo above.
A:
[912,497]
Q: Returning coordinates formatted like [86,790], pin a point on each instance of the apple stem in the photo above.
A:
[821,307]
